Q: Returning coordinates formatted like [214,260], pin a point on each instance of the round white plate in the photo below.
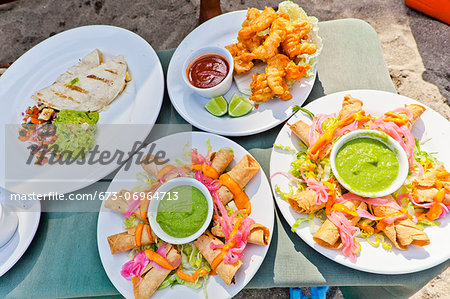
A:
[110,223]
[137,107]
[29,213]
[221,31]
[376,260]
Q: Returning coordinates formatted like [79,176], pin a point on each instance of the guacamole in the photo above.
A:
[184,216]
[367,165]
[75,132]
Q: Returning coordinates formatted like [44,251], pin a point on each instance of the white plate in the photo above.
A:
[371,259]
[222,31]
[110,223]
[138,105]
[29,214]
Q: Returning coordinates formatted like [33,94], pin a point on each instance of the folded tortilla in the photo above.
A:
[127,240]
[259,234]
[220,160]
[91,90]
[402,232]
[154,276]
[304,202]
[328,234]
[224,270]
[93,59]
[416,111]
[242,173]
[425,190]
[350,104]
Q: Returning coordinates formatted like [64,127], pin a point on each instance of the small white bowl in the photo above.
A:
[222,87]
[389,142]
[154,203]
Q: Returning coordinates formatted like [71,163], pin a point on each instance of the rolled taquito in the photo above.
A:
[220,160]
[259,234]
[152,277]
[305,202]
[301,130]
[242,173]
[417,111]
[402,233]
[127,240]
[157,167]
[224,270]
[119,203]
[328,234]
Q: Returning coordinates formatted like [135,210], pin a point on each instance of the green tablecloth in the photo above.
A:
[63,259]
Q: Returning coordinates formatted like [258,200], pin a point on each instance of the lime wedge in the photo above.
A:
[239,106]
[217,106]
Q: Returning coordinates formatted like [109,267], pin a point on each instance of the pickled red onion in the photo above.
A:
[178,170]
[135,267]
[347,233]
[132,206]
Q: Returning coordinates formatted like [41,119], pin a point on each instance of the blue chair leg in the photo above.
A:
[295,293]
[319,292]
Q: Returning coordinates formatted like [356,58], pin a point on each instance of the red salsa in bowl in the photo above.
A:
[208,70]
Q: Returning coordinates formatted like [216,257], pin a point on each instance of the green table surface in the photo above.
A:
[63,260]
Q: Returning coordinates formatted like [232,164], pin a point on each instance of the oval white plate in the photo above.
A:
[371,259]
[29,213]
[110,223]
[138,105]
[221,31]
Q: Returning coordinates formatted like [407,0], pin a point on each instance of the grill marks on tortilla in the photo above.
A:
[110,71]
[76,88]
[101,79]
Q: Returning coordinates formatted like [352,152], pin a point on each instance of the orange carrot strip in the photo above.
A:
[157,258]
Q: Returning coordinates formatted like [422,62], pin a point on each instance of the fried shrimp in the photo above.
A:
[260,23]
[297,30]
[261,92]
[276,35]
[243,59]
[295,71]
[275,71]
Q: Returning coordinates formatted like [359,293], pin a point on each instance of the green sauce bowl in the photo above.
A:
[178,207]
[389,182]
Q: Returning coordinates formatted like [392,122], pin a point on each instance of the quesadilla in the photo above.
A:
[89,89]
[93,59]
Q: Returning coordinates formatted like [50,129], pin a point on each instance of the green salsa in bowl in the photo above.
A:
[369,163]
[180,210]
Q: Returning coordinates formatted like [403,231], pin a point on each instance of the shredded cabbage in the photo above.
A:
[300,221]
[375,239]
[191,261]
[145,181]
[285,148]
[284,195]
[423,157]
[295,12]
[132,221]
[136,250]
[425,222]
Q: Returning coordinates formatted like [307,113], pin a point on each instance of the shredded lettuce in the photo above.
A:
[208,146]
[132,221]
[375,239]
[285,148]
[191,261]
[145,181]
[284,195]
[300,221]
[423,157]
[228,149]
[425,222]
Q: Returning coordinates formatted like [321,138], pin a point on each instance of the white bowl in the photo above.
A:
[154,203]
[390,143]
[222,87]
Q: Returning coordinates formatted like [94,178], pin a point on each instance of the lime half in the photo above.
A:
[217,106]
[239,106]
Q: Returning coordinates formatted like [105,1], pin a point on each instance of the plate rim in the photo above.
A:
[345,262]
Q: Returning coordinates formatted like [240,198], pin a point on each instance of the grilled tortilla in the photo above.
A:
[90,90]
[93,59]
